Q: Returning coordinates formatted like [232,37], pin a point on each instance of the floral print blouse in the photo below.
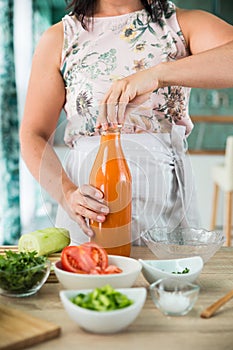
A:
[115,47]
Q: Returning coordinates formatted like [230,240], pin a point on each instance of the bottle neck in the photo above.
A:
[110,143]
[111,134]
[111,130]
[110,137]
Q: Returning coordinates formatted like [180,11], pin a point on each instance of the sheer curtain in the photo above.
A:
[21,24]
[38,14]
[9,142]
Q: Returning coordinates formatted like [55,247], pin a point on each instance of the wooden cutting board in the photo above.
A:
[19,330]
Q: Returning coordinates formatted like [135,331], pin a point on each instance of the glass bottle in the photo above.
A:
[110,173]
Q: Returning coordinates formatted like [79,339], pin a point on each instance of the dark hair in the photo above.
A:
[84,9]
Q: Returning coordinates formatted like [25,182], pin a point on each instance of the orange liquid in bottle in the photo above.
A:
[110,173]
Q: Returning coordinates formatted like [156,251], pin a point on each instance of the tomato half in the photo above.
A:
[86,258]
[76,259]
[111,269]
[98,254]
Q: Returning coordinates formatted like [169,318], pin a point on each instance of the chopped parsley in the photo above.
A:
[19,272]
[186,270]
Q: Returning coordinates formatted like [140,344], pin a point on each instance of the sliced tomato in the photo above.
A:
[96,271]
[86,258]
[98,254]
[77,259]
[112,269]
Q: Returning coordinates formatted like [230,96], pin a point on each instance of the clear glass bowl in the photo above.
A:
[27,283]
[182,242]
[174,299]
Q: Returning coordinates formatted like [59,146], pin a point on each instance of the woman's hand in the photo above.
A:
[86,203]
[124,95]
[209,41]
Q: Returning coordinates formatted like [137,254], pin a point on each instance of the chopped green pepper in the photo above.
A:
[102,299]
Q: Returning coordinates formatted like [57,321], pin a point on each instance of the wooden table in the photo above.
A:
[151,330]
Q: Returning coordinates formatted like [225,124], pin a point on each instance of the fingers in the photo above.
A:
[88,190]
[138,100]
[98,216]
[133,89]
[84,226]
[87,203]
[121,112]
[111,115]
[102,121]
[113,106]
[90,203]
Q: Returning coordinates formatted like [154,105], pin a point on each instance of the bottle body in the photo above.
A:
[110,173]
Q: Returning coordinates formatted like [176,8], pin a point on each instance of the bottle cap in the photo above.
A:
[109,128]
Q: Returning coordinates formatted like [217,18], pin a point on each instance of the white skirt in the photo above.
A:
[162,181]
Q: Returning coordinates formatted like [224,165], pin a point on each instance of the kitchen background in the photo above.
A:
[24,206]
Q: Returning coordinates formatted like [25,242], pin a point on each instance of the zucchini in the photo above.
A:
[44,242]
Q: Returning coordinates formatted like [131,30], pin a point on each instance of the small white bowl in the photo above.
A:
[131,270]
[154,270]
[104,321]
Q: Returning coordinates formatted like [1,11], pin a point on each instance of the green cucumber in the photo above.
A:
[44,242]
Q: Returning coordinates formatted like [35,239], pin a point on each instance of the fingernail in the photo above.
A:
[98,195]
[104,210]
[104,126]
[100,217]
[114,125]
[90,233]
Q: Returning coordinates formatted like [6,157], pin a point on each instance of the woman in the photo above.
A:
[131,63]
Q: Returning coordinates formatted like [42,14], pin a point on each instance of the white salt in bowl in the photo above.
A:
[172,299]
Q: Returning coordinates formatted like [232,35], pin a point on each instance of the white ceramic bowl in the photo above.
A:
[182,242]
[105,321]
[131,270]
[154,270]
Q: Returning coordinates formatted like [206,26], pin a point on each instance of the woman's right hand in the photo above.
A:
[125,94]
[86,203]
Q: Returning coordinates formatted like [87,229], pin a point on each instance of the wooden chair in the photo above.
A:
[223,179]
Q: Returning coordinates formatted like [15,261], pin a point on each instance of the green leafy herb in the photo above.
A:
[21,271]
[102,299]
[186,270]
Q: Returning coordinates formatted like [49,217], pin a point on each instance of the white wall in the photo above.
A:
[23,47]
[202,165]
